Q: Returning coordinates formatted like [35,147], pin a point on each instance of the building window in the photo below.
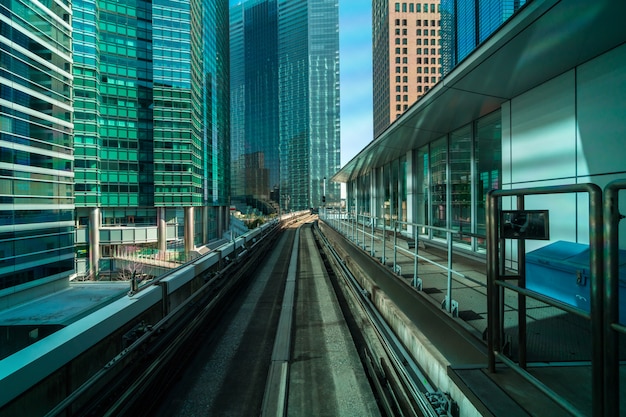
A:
[425,22]
[404,32]
[405,79]
[403,7]
[405,60]
[411,8]
[397,7]
[419,60]
[406,107]
[432,61]
[397,22]
[405,98]
[419,79]
[397,88]
[404,41]
[397,78]
[419,51]
[397,41]
[432,32]
[397,60]
[398,107]
[433,80]
[433,51]
[405,70]
[404,51]
[398,97]
[418,22]
[397,70]
[419,88]
[397,50]
[403,22]
[432,8]
[397,31]
[419,32]
[419,70]
[419,41]
[418,7]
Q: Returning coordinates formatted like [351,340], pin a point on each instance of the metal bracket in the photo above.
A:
[397,269]
[454,310]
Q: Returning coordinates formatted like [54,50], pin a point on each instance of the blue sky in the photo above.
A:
[355,56]
[355,60]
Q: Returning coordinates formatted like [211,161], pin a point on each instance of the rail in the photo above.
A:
[353,226]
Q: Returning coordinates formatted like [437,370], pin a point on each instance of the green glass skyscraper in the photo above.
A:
[151,123]
[285,96]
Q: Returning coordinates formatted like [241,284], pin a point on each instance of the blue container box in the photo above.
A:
[561,271]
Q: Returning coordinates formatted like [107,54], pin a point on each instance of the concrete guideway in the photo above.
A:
[326,376]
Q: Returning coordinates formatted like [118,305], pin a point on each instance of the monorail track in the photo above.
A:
[215,353]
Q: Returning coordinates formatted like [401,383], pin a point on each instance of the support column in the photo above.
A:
[189,223]
[410,190]
[205,225]
[220,222]
[94,241]
[162,232]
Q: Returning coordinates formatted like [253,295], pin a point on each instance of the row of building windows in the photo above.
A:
[418,41]
[405,70]
[418,32]
[417,7]
[419,61]
[419,22]
[419,51]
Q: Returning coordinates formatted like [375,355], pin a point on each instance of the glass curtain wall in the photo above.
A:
[460,182]
[421,176]
[488,160]
[438,184]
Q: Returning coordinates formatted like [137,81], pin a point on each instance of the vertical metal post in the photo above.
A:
[612,218]
[383,260]
[395,244]
[521,298]
[364,246]
[492,276]
[415,264]
[372,248]
[596,245]
[449,290]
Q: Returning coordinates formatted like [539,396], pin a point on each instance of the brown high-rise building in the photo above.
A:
[406,54]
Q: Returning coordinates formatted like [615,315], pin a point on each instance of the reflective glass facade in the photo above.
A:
[152,113]
[36,154]
[467,23]
[285,96]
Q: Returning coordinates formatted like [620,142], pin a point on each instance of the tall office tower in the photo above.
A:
[151,124]
[36,178]
[467,23]
[406,54]
[285,100]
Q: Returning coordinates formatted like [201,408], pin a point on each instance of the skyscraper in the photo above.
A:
[285,100]
[36,154]
[467,23]
[151,123]
[407,56]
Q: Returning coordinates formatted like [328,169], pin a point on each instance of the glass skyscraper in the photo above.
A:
[467,23]
[151,124]
[285,101]
[36,153]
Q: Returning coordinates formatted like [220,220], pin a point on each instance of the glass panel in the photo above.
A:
[488,166]
[402,215]
[460,181]
[421,188]
[438,166]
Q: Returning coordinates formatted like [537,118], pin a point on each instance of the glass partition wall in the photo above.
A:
[450,178]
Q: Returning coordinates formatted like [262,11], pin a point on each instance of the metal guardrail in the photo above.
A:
[354,225]
[496,283]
